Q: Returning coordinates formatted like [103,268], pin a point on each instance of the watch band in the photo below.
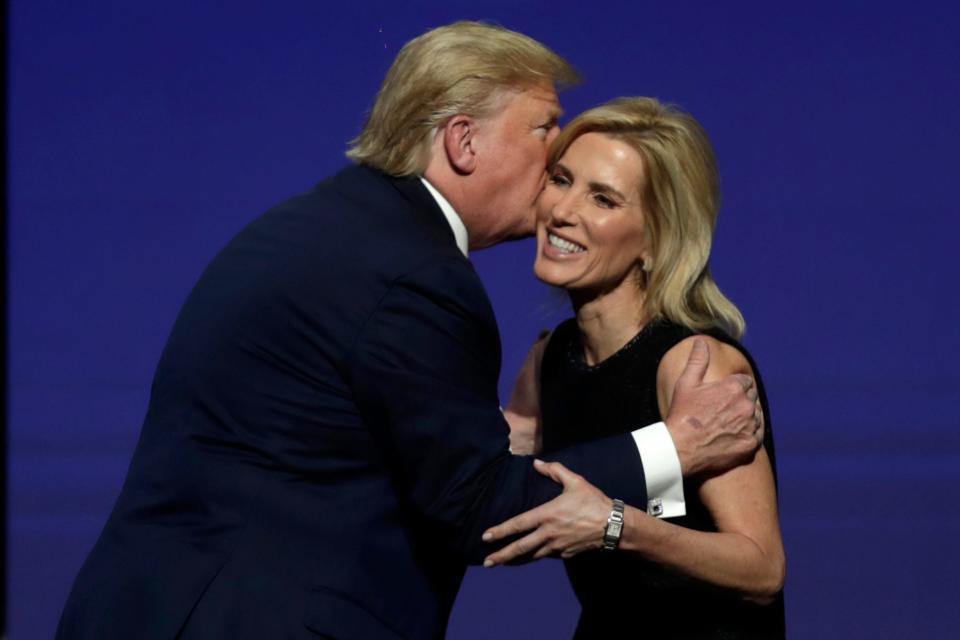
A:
[611,534]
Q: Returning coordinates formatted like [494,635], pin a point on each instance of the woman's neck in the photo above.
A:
[609,320]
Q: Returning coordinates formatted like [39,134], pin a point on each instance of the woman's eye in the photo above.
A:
[604,201]
[559,179]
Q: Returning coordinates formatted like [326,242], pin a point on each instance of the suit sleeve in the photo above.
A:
[424,373]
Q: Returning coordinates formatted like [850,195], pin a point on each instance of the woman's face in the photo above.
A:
[591,231]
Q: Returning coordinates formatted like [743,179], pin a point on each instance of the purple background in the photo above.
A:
[143,135]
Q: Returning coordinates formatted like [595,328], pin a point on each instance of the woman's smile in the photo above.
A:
[560,247]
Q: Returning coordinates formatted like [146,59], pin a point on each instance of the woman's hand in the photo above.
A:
[570,523]
[523,410]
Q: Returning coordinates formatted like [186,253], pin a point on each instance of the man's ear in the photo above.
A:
[458,143]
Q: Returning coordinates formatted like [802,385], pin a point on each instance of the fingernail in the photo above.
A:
[537,461]
[487,537]
[488,563]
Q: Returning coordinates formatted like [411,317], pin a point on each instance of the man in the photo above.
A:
[324,448]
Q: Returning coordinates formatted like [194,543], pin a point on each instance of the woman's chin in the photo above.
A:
[547,275]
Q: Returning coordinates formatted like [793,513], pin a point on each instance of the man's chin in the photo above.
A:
[507,236]
[528,231]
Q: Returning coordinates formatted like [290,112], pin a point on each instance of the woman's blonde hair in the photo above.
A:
[681,198]
[461,68]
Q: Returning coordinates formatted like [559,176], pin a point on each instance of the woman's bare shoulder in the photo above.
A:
[725,360]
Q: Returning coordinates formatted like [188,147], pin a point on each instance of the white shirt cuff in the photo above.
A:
[661,468]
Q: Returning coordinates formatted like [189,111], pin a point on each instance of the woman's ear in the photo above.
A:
[458,143]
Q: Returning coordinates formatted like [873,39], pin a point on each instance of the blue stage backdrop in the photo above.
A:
[144,134]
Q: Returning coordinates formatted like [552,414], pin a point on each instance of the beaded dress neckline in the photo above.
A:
[577,359]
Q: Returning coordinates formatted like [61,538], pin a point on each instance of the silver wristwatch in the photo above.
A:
[611,534]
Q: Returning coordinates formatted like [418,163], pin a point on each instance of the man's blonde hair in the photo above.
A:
[462,68]
[681,199]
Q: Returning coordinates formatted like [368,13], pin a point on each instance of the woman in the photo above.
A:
[625,225]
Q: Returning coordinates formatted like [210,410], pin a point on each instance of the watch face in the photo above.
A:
[615,528]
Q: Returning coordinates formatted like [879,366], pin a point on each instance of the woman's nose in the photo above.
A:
[564,210]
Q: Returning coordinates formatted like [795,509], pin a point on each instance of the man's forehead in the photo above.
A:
[534,103]
[544,97]
[544,93]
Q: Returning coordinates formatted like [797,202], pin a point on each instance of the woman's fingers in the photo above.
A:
[557,472]
[565,511]
[535,517]
[524,546]
[544,551]
[547,469]
[516,525]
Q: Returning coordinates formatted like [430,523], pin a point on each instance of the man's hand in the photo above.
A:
[716,425]
[572,522]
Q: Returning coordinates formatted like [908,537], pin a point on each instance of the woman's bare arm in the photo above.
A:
[523,411]
[746,553]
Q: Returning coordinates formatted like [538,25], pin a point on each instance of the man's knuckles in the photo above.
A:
[734,386]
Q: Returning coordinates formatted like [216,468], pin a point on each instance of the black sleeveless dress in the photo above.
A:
[622,595]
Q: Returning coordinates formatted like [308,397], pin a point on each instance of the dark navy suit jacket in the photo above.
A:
[323,447]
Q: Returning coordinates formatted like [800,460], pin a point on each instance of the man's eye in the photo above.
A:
[544,130]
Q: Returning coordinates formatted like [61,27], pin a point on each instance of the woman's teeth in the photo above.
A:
[564,245]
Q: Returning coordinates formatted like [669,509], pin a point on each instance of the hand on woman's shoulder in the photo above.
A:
[725,360]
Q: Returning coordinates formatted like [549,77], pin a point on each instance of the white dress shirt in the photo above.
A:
[661,465]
